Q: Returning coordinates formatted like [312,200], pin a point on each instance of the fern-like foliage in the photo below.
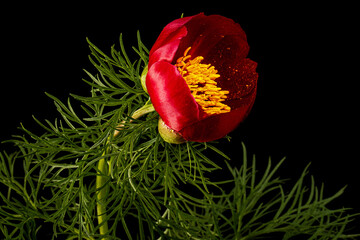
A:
[99,173]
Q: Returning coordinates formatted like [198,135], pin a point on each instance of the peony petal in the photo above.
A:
[217,126]
[167,51]
[204,32]
[237,74]
[230,48]
[169,31]
[241,78]
[171,96]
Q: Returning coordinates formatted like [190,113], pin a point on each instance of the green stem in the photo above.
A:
[101,196]
[103,174]
[147,108]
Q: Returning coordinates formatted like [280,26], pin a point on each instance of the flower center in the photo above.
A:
[201,80]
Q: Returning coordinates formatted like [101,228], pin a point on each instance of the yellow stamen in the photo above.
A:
[201,79]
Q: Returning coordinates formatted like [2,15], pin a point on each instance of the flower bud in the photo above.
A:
[143,78]
[169,135]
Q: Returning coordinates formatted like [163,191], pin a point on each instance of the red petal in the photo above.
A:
[171,96]
[243,79]
[217,126]
[169,31]
[204,32]
[167,51]
[237,74]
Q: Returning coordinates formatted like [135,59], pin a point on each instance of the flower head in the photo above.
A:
[199,79]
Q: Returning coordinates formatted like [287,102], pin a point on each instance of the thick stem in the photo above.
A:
[103,173]
[101,196]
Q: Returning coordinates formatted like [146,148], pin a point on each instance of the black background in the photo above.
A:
[308,64]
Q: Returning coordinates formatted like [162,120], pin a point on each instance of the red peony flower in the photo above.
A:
[199,79]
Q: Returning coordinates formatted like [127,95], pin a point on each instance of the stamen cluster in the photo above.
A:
[201,80]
